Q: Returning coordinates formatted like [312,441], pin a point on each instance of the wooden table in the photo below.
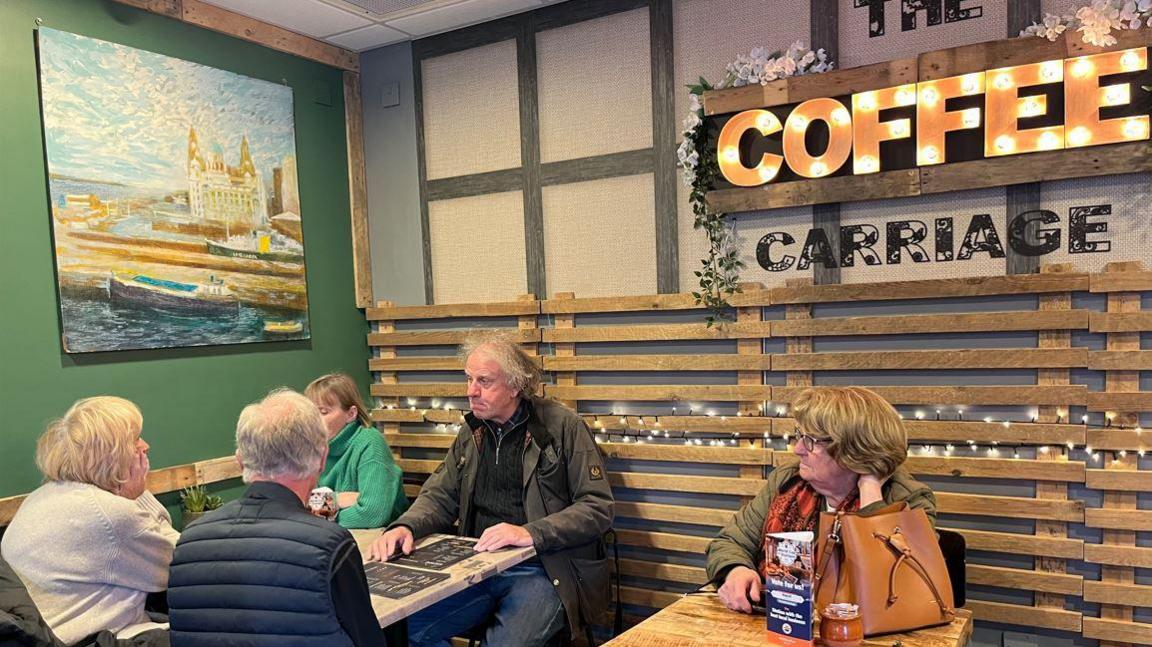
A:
[702,621]
[462,575]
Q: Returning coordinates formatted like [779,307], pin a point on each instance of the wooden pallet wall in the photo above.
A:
[679,476]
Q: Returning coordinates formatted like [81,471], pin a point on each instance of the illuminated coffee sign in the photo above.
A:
[1007,102]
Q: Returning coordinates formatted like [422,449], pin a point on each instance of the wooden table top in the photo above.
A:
[462,575]
[703,621]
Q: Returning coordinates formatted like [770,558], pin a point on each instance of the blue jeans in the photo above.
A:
[520,607]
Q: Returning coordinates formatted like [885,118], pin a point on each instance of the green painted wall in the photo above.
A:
[190,397]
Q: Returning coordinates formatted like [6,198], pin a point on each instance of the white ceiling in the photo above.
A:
[361,25]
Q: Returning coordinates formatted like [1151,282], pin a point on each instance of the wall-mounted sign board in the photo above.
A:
[992,114]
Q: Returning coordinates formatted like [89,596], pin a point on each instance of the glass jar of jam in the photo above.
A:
[841,626]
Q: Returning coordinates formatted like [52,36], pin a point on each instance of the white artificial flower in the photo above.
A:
[691,121]
[694,102]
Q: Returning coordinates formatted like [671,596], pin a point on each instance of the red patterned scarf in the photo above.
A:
[798,508]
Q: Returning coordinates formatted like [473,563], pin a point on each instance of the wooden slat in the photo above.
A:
[422,441]
[8,507]
[216,470]
[676,513]
[802,88]
[414,466]
[1049,165]
[659,363]
[979,57]
[647,597]
[682,301]
[932,395]
[450,310]
[663,540]
[209,16]
[1120,321]
[171,479]
[685,454]
[742,425]
[961,431]
[1120,480]
[1132,556]
[936,323]
[669,392]
[662,571]
[660,332]
[964,466]
[1119,401]
[420,390]
[933,288]
[841,188]
[1014,614]
[1118,439]
[169,8]
[1013,507]
[1128,281]
[443,337]
[407,415]
[1120,360]
[1134,595]
[680,483]
[1123,631]
[452,363]
[1118,519]
[357,190]
[1015,543]
[932,359]
[1015,578]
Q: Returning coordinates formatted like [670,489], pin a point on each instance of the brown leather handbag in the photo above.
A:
[887,562]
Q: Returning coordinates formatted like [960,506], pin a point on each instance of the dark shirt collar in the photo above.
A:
[519,416]
[272,491]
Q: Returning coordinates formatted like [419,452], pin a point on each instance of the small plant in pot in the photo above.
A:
[196,501]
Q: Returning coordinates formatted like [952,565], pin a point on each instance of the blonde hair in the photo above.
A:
[94,443]
[520,372]
[341,390]
[282,435]
[866,434]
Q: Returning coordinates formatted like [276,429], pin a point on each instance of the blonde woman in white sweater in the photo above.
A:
[92,542]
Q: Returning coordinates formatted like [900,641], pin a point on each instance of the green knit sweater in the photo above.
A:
[359,461]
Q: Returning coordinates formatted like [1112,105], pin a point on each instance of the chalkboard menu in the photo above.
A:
[439,555]
[395,582]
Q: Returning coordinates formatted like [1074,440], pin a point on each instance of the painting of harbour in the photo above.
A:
[175,207]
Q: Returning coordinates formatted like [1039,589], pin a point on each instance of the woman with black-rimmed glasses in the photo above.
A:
[851,444]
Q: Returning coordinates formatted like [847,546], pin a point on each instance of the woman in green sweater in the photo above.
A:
[368,484]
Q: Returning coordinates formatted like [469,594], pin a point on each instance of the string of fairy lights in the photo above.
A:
[641,429]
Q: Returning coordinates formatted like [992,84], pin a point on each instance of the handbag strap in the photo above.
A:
[832,543]
[896,543]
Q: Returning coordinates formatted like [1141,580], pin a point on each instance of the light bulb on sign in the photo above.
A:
[868,164]
[1116,95]
[1005,144]
[866,101]
[1136,127]
[929,96]
[970,118]
[970,84]
[906,95]
[841,117]
[898,128]
[1130,61]
[1079,136]
[1052,71]
[1082,67]
[731,154]
[929,154]
[798,122]
[1049,141]
[1002,81]
[818,168]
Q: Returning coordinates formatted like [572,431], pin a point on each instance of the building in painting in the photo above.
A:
[232,196]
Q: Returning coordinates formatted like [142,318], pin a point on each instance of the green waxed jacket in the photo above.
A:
[567,501]
[741,542]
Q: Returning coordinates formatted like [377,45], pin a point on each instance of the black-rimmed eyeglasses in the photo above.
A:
[810,442]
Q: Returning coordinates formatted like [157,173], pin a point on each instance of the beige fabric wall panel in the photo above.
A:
[595,87]
[858,47]
[710,34]
[1119,202]
[471,111]
[478,248]
[961,206]
[599,237]
[1061,7]
[707,36]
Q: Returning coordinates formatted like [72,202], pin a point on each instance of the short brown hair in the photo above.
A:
[341,390]
[867,435]
[520,371]
[94,443]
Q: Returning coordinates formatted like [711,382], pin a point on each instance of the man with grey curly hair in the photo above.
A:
[305,571]
[525,472]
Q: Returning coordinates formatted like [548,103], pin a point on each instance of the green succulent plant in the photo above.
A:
[197,499]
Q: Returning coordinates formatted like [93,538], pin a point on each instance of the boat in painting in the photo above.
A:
[200,298]
[283,326]
[257,248]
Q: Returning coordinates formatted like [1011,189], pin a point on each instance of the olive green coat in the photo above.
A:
[741,542]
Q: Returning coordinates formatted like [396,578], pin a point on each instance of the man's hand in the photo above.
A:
[501,535]
[741,584]
[385,548]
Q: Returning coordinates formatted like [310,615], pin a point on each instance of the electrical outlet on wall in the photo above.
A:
[390,96]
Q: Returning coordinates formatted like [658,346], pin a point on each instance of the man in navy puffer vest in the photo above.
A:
[262,570]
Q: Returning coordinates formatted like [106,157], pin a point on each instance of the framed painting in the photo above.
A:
[175,207]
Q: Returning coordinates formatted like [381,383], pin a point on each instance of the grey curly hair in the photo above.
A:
[520,371]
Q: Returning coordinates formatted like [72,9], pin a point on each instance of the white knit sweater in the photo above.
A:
[89,557]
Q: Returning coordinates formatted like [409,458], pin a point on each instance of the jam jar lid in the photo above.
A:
[842,611]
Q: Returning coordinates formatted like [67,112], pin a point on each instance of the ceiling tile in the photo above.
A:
[462,14]
[310,17]
[368,38]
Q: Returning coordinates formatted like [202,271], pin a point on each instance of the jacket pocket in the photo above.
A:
[592,579]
